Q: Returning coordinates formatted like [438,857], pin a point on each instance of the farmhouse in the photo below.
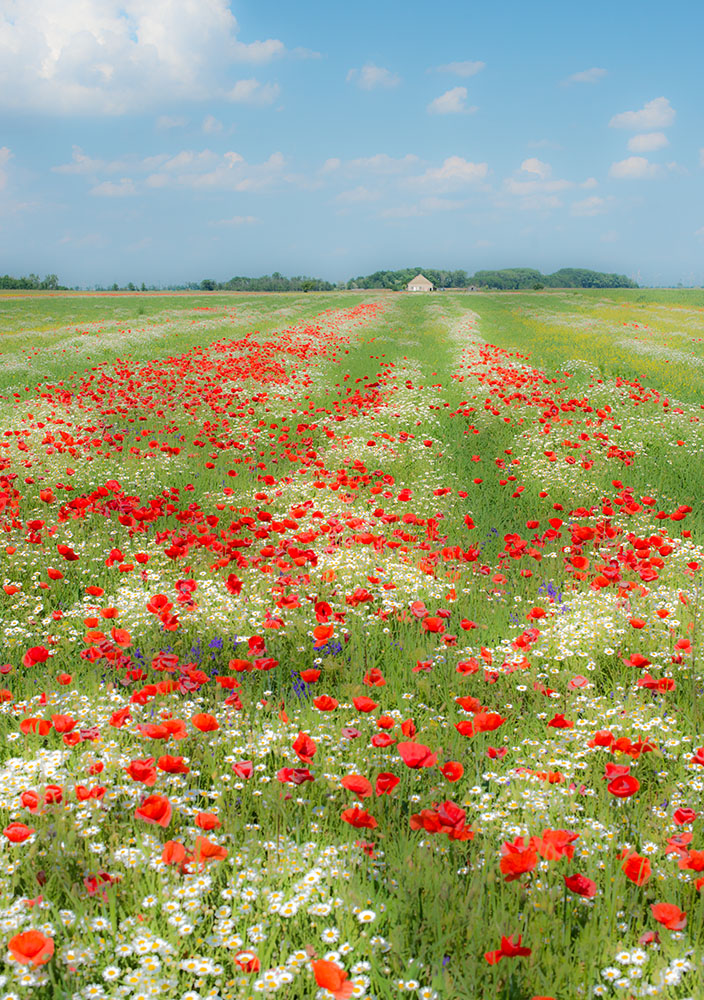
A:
[420,284]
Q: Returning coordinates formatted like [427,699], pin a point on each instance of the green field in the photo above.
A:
[455,541]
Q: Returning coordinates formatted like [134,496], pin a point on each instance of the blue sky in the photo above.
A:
[172,140]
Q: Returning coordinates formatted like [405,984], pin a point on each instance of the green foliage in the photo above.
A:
[33,283]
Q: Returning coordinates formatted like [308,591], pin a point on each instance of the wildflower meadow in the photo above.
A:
[350,646]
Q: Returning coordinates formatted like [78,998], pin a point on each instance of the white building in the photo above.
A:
[420,284]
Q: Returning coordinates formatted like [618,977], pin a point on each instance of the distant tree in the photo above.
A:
[207,285]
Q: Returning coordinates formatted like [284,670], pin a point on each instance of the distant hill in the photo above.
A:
[509,278]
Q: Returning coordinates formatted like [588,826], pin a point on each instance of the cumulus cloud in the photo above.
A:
[648,142]
[369,77]
[382,163]
[165,122]
[452,102]
[467,68]
[426,206]
[115,189]
[357,196]
[189,168]
[589,206]
[211,125]
[657,113]
[592,75]
[237,220]
[5,157]
[251,91]
[455,172]
[116,56]
[535,166]
[634,168]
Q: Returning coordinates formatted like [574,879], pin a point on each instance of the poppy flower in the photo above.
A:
[304,748]
[623,786]
[364,704]
[243,769]
[246,961]
[452,770]
[358,785]
[385,783]
[581,885]
[174,853]
[636,868]
[325,703]
[205,723]
[172,765]
[31,948]
[508,949]
[417,755]
[669,916]
[331,977]
[206,850]
[155,809]
[17,833]
[359,818]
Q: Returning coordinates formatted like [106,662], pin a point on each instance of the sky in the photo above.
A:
[166,141]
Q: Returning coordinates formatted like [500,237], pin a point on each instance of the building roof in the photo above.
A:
[420,279]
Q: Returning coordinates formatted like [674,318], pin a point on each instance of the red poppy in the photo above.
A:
[205,722]
[172,765]
[325,703]
[669,916]
[385,783]
[304,748]
[623,786]
[155,809]
[331,977]
[359,818]
[17,833]
[358,785]
[581,885]
[417,755]
[636,868]
[508,949]
[31,948]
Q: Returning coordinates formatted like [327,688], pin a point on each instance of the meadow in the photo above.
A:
[350,645]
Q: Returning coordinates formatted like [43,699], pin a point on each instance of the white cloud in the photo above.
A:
[357,196]
[5,157]
[237,220]
[535,166]
[370,76]
[657,113]
[165,122]
[589,206]
[634,168]
[699,232]
[206,170]
[467,68]
[81,164]
[426,206]
[332,164]
[455,172]
[253,92]
[591,182]
[382,163]
[111,189]
[115,56]
[522,188]
[648,142]
[451,103]
[592,75]
[211,125]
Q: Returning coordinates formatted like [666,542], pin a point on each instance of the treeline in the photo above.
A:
[267,283]
[511,278]
[32,283]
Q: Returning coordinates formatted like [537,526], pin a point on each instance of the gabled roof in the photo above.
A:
[420,279]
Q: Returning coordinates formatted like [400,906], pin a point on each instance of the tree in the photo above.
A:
[207,285]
